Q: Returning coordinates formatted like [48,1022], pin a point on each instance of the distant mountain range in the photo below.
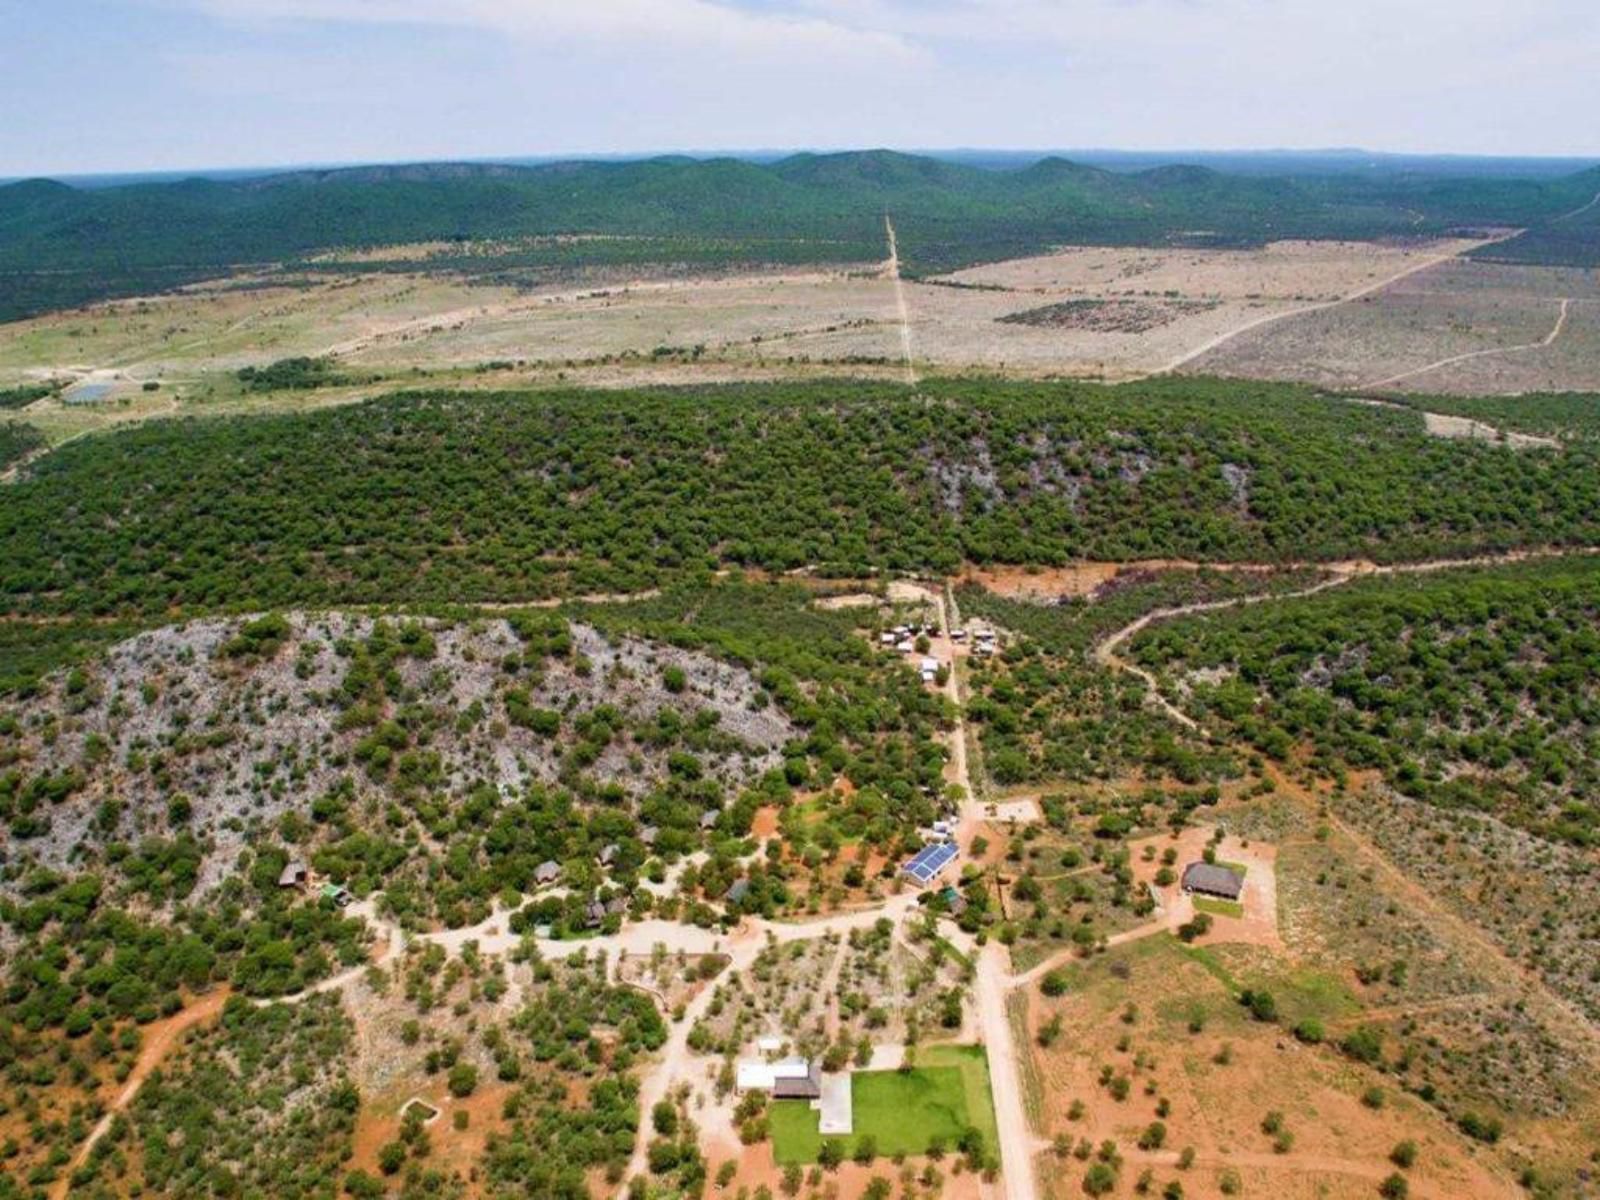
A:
[62,245]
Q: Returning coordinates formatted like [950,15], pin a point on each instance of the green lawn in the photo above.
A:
[946,1093]
[1221,908]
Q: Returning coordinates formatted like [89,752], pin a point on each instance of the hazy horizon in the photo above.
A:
[1265,160]
[159,86]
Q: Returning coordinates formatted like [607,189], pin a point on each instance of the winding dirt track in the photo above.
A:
[1227,336]
[1543,343]
[151,1053]
[1577,212]
[1105,651]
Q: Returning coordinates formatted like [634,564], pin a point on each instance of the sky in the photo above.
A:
[131,85]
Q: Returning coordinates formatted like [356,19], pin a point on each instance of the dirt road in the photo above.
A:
[993,981]
[1577,212]
[892,270]
[1227,336]
[1545,342]
[1340,573]
[159,1040]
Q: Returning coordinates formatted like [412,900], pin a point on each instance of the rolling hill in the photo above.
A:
[61,246]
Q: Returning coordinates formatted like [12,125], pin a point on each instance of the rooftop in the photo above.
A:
[1212,880]
[925,865]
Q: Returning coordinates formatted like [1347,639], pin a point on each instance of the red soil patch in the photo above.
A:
[1258,926]
[1340,1146]
[757,1167]
[158,1040]
[453,1150]
[1081,579]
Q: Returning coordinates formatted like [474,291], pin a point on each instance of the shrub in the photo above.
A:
[463,1080]
[1153,1137]
[1099,1180]
[1364,1044]
[1483,1129]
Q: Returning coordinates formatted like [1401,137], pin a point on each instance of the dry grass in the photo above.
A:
[1457,308]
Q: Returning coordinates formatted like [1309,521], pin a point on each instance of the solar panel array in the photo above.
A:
[926,864]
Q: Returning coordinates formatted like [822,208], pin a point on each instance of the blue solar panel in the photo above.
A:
[925,865]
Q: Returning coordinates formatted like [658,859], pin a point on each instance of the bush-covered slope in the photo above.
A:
[1471,690]
[453,497]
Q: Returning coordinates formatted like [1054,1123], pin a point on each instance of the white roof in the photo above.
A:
[930,664]
[769,1045]
[761,1076]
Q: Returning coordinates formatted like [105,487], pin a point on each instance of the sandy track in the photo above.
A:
[1545,342]
[892,270]
[155,1049]
[1341,573]
[1017,1145]
[1414,269]
[1579,211]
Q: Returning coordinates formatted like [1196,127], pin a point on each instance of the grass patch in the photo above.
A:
[902,1111]
[948,948]
[1212,964]
[1028,1061]
[1238,869]
[1221,908]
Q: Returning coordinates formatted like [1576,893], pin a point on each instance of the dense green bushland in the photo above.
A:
[1047,711]
[17,441]
[433,498]
[21,397]
[1471,690]
[258,1104]
[1563,415]
[61,246]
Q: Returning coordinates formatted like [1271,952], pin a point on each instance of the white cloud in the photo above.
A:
[704,25]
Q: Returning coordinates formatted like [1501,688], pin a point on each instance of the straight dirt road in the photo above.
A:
[892,270]
[989,990]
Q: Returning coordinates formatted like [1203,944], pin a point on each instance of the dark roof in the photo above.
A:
[739,890]
[808,1087]
[292,874]
[1212,880]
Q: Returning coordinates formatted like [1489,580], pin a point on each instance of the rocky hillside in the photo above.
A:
[316,726]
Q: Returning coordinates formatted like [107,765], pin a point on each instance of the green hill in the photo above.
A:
[62,246]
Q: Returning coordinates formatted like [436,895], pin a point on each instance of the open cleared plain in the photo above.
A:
[1337,313]
[1458,327]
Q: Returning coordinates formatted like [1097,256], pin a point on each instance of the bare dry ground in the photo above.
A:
[1208,293]
[1154,1015]
[1388,317]
[1144,308]
[1459,327]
